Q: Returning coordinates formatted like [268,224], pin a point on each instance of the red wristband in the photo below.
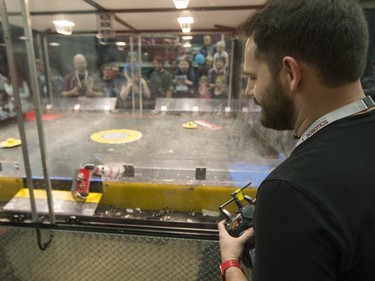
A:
[229,263]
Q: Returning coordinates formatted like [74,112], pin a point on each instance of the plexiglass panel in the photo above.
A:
[151,126]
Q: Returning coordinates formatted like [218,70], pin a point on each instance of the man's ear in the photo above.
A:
[292,73]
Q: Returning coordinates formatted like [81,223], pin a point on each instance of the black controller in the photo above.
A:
[241,220]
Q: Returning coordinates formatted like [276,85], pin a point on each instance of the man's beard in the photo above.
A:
[277,109]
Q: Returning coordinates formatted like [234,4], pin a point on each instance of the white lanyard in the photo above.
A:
[79,80]
[342,112]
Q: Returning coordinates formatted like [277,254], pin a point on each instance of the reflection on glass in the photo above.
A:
[174,91]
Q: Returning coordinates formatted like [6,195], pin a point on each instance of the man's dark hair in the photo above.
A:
[331,35]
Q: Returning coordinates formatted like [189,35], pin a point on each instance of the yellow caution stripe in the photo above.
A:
[58,195]
[179,197]
[9,187]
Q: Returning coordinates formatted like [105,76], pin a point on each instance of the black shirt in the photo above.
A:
[315,213]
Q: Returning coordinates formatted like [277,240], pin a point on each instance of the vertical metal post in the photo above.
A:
[140,75]
[132,72]
[45,61]
[37,104]
[21,125]
[230,86]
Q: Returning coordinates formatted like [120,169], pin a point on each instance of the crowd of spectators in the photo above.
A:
[180,77]
[202,74]
[179,74]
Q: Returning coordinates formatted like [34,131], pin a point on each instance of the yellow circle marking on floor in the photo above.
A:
[116,136]
[190,125]
[10,142]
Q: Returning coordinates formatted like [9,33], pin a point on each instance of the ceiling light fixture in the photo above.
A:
[185,27]
[185,20]
[63,26]
[185,23]
[54,44]
[187,37]
[181,4]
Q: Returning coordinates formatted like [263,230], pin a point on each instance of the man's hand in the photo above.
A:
[72,93]
[232,247]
